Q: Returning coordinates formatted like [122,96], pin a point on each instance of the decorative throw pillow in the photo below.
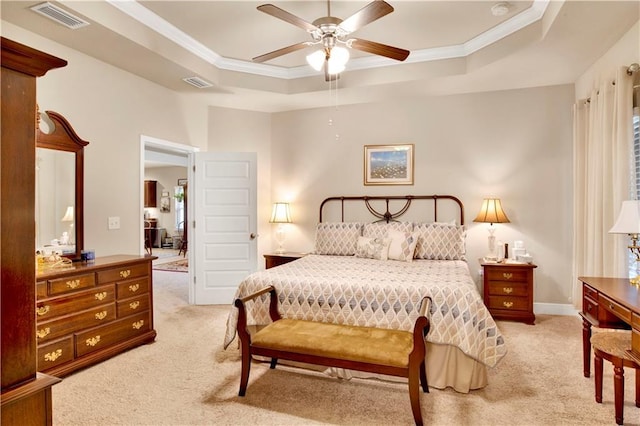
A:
[337,238]
[440,241]
[403,245]
[381,229]
[373,248]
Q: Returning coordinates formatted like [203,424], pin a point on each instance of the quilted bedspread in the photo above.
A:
[376,293]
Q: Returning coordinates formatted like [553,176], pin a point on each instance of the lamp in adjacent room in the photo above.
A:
[281,215]
[629,223]
[491,212]
[68,217]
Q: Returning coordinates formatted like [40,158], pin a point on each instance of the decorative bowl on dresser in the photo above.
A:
[93,311]
[508,291]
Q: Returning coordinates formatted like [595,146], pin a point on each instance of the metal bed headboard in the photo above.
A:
[387,215]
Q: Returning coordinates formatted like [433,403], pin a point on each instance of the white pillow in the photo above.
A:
[373,248]
[440,241]
[403,245]
[337,238]
[381,229]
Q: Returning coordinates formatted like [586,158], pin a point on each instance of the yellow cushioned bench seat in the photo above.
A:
[382,351]
[340,341]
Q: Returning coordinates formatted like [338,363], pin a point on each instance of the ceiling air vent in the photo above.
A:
[59,15]
[197,82]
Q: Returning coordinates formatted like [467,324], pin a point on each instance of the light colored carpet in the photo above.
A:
[186,378]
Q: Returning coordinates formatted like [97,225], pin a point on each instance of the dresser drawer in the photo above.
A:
[615,308]
[48,330]
[502,288]
[510,303]
[55,353]
[507,274]
[133,306]
[101,337]
[126,272]
[76,282]
[41,290]
[132,288]
[79,301]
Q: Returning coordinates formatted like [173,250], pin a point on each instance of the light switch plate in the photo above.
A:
[114,222]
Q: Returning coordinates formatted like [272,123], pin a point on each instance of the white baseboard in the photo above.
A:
[554,309]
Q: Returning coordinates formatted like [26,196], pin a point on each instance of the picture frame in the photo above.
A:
[182,182]
[388,164]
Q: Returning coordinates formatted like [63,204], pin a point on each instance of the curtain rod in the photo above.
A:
[633,68]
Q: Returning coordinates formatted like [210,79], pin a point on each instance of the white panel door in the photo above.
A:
[225,232]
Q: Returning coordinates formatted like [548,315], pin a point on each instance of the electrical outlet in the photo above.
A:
[114,222]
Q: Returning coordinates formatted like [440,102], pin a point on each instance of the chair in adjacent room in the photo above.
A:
[613,346]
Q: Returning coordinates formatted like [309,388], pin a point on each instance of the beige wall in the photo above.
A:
[111,109]
[167,178]
[514,144]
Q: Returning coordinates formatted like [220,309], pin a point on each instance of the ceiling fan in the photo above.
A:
[331,33]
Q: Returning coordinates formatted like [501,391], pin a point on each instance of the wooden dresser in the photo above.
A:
[89,313]
[508,291]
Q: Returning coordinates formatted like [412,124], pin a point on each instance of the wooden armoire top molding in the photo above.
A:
[25,59]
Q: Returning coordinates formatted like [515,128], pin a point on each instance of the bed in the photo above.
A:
[378,274]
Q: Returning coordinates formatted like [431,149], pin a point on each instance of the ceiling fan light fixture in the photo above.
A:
[340,55]
[316,59]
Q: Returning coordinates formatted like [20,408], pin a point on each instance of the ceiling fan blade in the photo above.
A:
[371,12]
[280,52]
[276,12]
[379,49]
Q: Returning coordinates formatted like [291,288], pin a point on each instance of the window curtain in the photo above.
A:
[603,175]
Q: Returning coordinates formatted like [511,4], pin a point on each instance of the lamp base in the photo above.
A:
[635,281]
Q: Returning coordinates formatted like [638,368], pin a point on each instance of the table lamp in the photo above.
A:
[280,215]
[629,223]
[68,217]
[491,212]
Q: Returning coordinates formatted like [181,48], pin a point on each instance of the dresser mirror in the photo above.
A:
[59,187]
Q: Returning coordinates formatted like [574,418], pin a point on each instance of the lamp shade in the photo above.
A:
[316,59]
[280,213]
[68,215]
[491,212]
[629,219]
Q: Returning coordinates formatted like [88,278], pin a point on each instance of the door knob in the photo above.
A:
[253,236]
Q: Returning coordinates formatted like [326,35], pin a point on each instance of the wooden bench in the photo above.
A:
[375,350]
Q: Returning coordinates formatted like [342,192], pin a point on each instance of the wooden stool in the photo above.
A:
[613,347]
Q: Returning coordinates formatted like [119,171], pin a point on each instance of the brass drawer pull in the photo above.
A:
[43,310]
[138,324]
[43,333]
[134,287]
[101,296]
[507,290]
[73,283]
[93,340]
[134,305]
[507,275]
[101,315]
[125,273]
[52,356]
[507,304]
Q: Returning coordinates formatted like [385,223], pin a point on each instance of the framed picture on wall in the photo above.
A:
[182,182]
[388,164]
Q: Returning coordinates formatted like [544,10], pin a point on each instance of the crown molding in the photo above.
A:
[146,17]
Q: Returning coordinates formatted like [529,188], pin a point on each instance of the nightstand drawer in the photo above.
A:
[502,288]
[590,307]
[510,303]
[589,292]
[507,274]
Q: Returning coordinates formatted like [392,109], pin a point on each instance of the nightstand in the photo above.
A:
[277,259]
[508,291]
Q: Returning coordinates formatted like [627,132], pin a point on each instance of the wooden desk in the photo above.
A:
[609,303]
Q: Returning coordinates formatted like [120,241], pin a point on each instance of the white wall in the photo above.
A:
[515,145]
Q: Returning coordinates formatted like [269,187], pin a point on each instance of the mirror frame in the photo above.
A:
[64,138]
